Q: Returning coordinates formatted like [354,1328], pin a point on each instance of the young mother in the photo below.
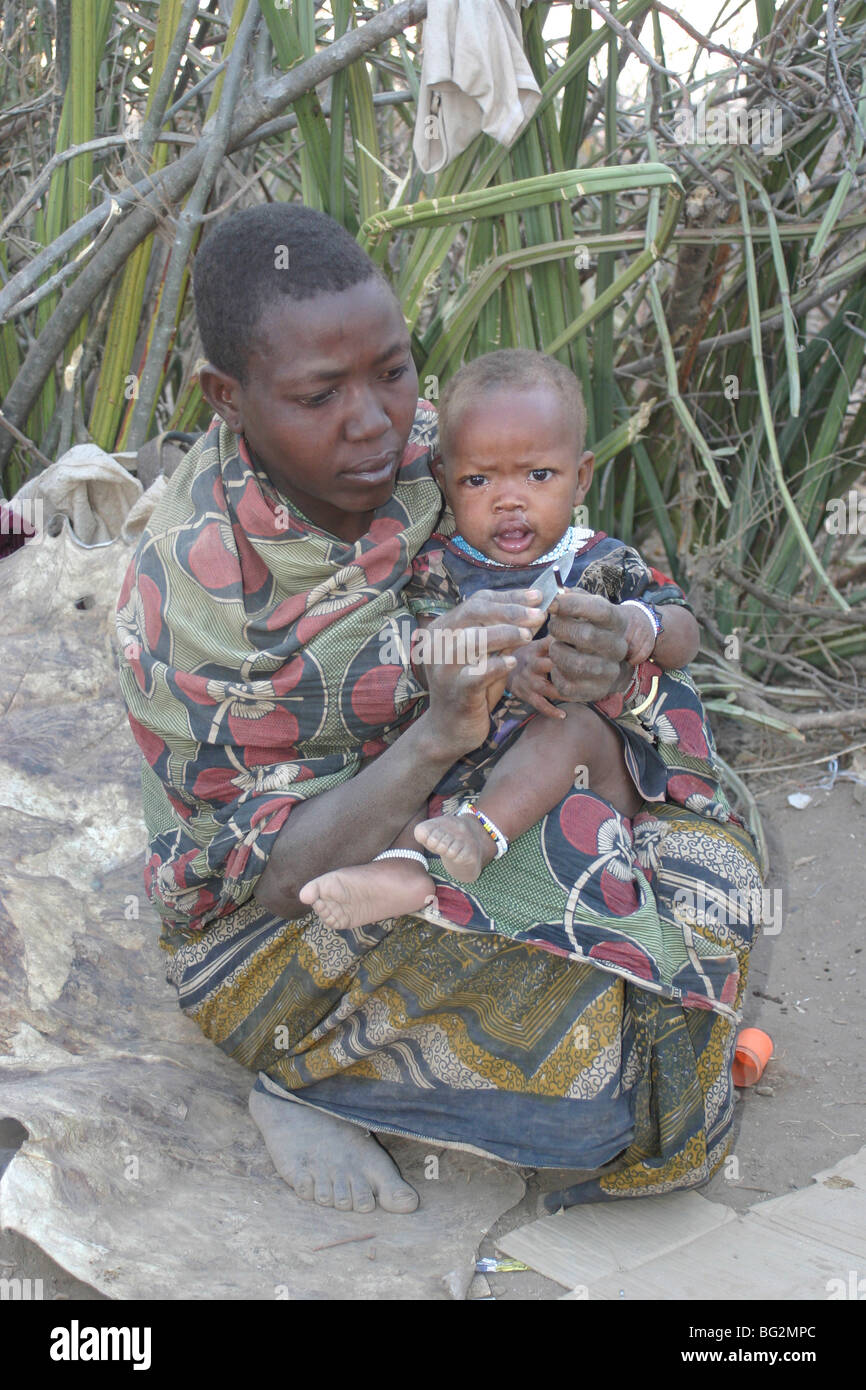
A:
[278,745]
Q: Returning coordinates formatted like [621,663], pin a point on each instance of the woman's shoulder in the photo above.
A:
[422,445]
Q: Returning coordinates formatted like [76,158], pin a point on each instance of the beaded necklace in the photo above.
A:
[574,536]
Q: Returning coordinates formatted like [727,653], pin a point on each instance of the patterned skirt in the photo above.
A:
[612,1057]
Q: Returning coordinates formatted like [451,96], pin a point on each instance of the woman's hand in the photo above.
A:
[589,646]
[471,655]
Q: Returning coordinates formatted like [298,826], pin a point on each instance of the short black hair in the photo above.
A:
[513,369]
[258,254]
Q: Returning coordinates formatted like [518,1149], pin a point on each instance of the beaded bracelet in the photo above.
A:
[402,854]
[470,809]
[649,612]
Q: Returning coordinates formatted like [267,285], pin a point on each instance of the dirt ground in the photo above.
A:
[805,990]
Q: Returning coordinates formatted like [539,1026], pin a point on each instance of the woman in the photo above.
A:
[277,746]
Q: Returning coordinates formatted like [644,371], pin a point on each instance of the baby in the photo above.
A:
[513,467]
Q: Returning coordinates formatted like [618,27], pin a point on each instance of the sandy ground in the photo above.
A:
[805,990]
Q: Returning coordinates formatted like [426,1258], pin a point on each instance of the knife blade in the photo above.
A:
[552,580]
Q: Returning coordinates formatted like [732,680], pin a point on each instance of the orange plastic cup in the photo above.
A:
[751,1055]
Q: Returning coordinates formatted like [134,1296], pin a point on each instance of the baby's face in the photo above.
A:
[514,472]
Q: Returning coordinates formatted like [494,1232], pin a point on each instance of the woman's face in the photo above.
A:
[328,404]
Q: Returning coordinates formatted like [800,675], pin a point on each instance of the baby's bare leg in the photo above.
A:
[539,768]
[362,893]
[528,781]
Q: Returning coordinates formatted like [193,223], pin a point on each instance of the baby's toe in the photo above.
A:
[463,851]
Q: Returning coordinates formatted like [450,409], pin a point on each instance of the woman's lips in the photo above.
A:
[374,470]
[514,539]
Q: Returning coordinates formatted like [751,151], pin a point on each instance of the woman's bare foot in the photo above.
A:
[329,1161]
[461,842]
[352,897]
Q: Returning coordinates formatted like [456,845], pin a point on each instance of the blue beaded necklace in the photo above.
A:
[570,541]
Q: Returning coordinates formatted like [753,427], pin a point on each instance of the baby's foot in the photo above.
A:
[348,898]
[461,842]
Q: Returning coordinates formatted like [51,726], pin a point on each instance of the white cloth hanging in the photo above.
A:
[474,76]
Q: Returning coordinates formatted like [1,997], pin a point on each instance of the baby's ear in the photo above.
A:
[585,468]
[437,468]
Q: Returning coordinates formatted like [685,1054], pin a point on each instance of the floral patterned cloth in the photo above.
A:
[250,644]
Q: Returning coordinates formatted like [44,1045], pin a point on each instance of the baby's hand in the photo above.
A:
[640,636]
[530,679]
